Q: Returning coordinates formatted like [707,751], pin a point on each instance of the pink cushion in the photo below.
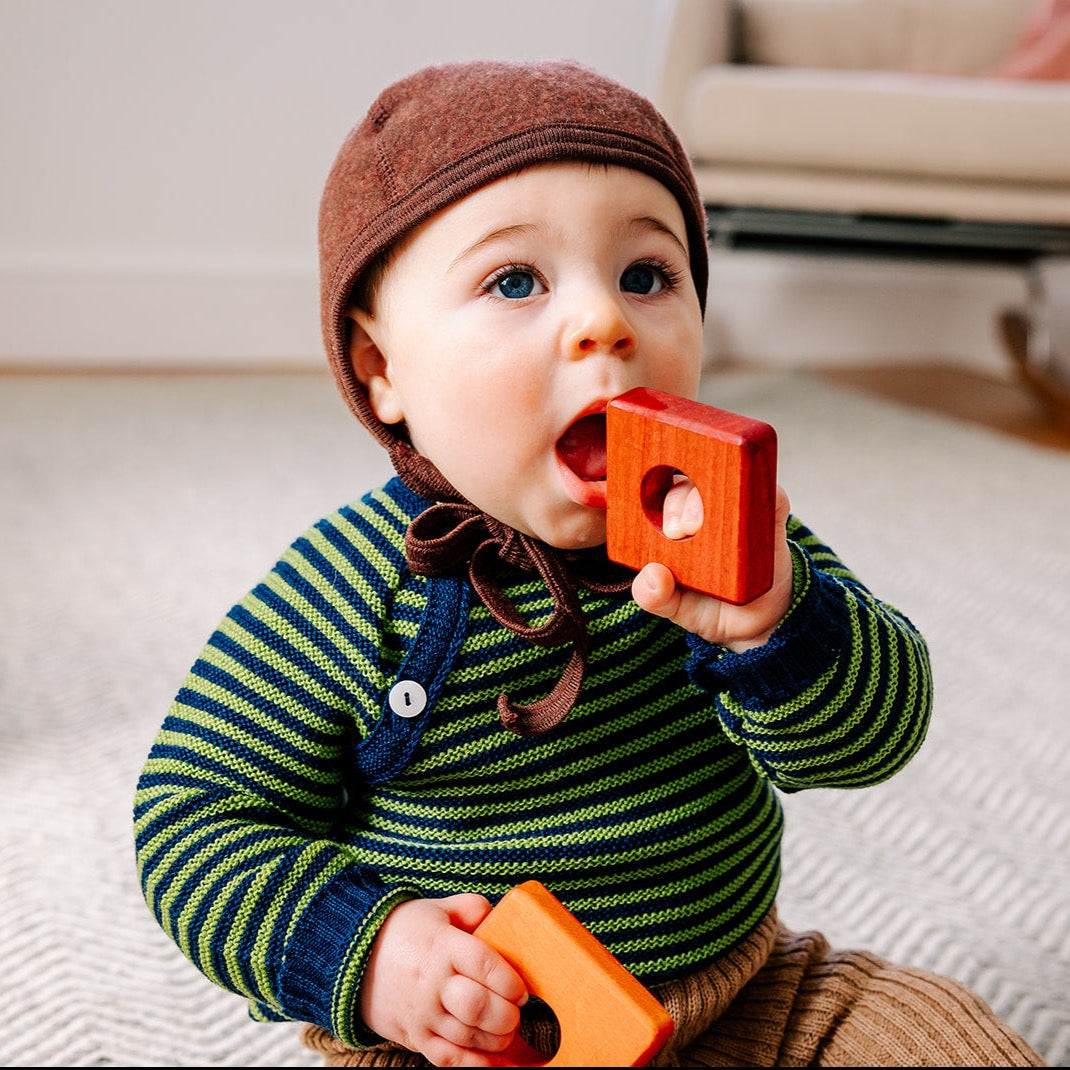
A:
[1043,50]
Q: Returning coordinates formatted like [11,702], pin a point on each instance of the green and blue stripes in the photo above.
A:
[276,827]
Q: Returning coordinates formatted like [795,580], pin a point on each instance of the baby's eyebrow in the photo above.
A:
[643,222]
[649,222]
[511,231]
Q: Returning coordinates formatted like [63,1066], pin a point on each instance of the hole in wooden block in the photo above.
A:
[653,491]
[523,1052]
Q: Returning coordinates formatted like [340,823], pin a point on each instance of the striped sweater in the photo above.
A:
[336,749]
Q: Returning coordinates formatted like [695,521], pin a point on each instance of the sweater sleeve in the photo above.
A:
[238,801]
[841,693]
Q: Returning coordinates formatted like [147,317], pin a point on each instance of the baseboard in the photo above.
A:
[198,316]
[779,309]
[798,310]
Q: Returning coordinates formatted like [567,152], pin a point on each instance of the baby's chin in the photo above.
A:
[576,528]
[552,516]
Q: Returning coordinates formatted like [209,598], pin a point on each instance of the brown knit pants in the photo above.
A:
[788,999]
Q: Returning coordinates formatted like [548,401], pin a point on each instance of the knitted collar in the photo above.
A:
[454,533]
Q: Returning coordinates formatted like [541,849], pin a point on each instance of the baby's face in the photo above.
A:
[506,323]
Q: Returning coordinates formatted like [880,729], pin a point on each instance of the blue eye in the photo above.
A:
[641,279]
[516,285]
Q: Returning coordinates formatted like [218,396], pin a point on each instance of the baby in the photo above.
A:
[446,688]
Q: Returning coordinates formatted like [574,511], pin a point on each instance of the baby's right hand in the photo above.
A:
[437,989]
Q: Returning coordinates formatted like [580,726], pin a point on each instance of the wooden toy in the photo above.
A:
[607,1017]
[731,459]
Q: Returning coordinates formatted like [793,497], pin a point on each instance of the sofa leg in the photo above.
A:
[1030,349]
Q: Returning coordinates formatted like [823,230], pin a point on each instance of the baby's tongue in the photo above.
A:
[583,447]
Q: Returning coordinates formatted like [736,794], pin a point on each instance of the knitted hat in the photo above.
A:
[444,132]
[429,140]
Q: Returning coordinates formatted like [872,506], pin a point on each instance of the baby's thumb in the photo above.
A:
[655,590]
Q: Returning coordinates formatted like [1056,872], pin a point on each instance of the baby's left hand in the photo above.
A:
[737,627]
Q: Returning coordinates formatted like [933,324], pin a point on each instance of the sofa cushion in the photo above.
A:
[939,36]
[1043,50]
[864,122]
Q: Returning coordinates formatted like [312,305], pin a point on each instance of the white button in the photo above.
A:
[407,698]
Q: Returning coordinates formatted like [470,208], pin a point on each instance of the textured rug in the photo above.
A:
[136,510]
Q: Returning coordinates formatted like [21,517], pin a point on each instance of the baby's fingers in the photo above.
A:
[477,1006]
[479,1018]
[442,1052]
[682,511]
[479,962]
[480,1000]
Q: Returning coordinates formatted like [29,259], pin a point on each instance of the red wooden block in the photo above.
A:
[607,1017]
[732,459]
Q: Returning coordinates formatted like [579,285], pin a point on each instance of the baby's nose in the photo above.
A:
[624,344]
[601,327]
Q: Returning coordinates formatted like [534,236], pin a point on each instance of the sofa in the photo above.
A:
[907,127]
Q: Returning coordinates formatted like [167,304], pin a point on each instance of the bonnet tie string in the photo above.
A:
[453,533]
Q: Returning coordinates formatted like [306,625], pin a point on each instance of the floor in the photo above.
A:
[1001,404]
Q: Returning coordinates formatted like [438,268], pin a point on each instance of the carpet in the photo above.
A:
[137,509]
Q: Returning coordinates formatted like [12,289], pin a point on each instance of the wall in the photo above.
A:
[163,162]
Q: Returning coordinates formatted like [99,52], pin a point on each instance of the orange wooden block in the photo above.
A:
[607,1017]
[732,459]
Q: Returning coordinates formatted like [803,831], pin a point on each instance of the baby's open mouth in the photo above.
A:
[583,447]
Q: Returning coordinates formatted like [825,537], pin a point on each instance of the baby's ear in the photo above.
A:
[372,368]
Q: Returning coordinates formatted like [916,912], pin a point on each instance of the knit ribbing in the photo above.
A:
[811,1005]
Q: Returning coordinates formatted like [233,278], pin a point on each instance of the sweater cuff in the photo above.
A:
[327,954]
[813,634]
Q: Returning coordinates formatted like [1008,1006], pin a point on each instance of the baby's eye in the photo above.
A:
[642,279]
[515,283]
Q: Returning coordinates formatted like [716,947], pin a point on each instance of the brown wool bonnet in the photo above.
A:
[445,131]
